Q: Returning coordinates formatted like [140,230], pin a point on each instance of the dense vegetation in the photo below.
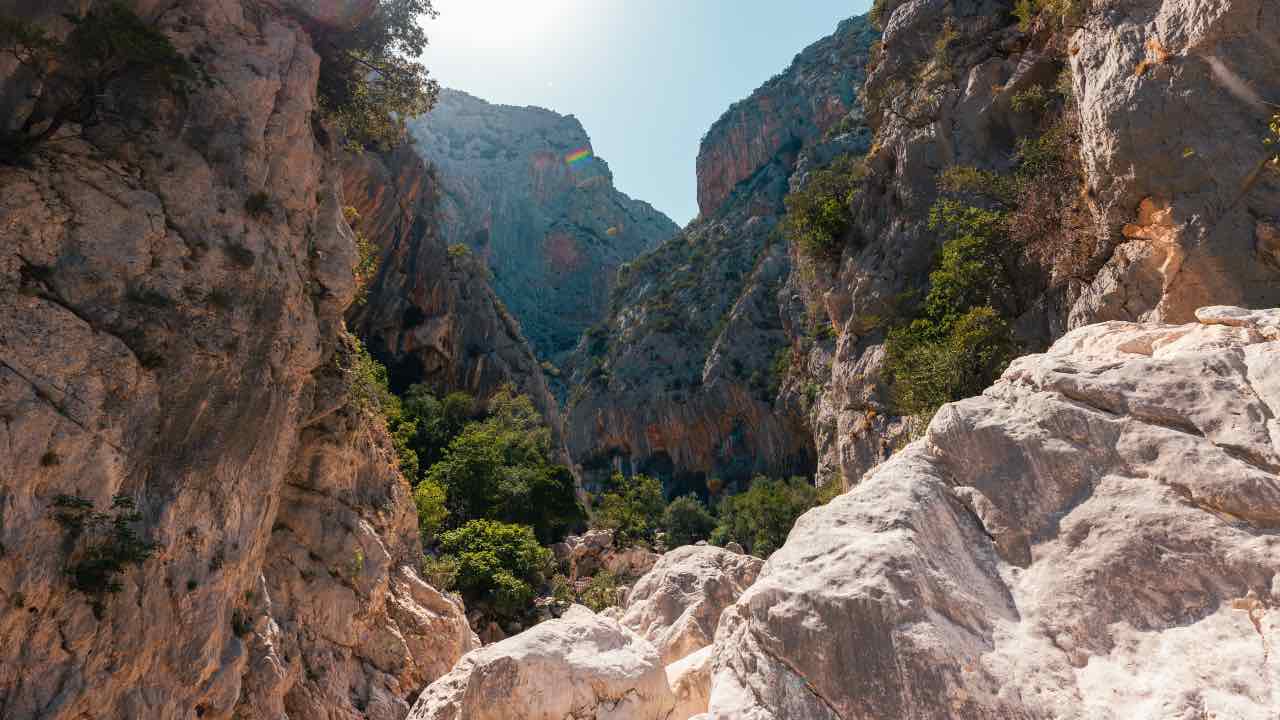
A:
[370,79]
[760,518]
[819,213]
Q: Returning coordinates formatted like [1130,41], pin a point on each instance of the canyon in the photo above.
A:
[183,380]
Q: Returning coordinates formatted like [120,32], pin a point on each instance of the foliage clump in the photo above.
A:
[820,213]
[958,343]
[632,508]
[367,257]
[370,80]
[687,521]
[106,46]
[107,544]
[760,518]
[499,565]
[1272,141]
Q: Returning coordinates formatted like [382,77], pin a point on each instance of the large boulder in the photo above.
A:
[1094,537]
[677,605]
[580,666]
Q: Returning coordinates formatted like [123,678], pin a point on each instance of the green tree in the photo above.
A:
[499,565]
[760,518]
[500,469]
[632,509]
[820,213]
[370,80]
[686,521]
[429,499]
[106,46]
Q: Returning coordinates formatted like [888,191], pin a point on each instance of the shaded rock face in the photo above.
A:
[683,381]
[160,342]
[580,666]
[1092,537]
[431,315]
[553,232]
[1170,210]
[677,605]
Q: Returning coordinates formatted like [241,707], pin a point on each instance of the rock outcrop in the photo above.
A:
[677,605]
[1159,202]
[683,380]
[1092,537]
[552,231]
[172,283]
[431,315]
[582,665]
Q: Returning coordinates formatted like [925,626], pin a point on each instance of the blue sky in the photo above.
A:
[645,77]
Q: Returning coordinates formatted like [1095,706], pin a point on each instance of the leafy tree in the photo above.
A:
[686,521]
[429,498]
[632,509]
[370,80]
[819,213]
[500,469]
[498,564]
[107,45]
[760,518]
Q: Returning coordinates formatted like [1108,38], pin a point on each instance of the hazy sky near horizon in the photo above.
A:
[645,77]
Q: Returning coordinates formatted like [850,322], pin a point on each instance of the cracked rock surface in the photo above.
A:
[1093,537]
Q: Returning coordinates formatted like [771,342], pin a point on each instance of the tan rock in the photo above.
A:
[579,666]
[678,604]
[1137,467]
[690,681]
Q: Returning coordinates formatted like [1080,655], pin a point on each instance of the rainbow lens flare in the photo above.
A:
[577,156]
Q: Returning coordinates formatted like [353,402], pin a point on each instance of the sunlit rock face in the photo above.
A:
[684,382]
[549,224]
[162,343]
[1093,537]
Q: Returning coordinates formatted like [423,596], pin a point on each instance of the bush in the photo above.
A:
[819,213]
[686,521]
[108,44]
[429,498]
[367,257]
[498,564]
[632,509]
[369,80]
[108,544]
[601,592]
[440,573]
[761,518]
[1272,141]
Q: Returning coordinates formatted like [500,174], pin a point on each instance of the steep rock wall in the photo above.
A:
[552,232]
[682,382]
[158,341]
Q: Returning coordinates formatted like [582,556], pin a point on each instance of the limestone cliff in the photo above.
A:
[431,315]
[172,283]
[552,232]
[1160,202]
[682,381]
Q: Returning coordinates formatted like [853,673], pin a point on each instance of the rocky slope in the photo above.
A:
[552,232]
[682,380]
[1093,537]
[1159,202]
[431,315]
[161,343]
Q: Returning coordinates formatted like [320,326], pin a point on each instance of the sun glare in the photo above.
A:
[493,25]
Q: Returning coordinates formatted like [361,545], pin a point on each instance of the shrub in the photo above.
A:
[632,509]
[601,592]
[107,542]
[259,205]
[686,521]
[819,213]
[108,44]
[1033,100]
[761,518]
[440,573]
[499,564]
[367,258]
[369,80]
[429,498]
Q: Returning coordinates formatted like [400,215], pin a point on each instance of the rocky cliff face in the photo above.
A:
[1161,203]
[682,381]
[162,343]
[1093,537]
[431,315]
[552,232]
